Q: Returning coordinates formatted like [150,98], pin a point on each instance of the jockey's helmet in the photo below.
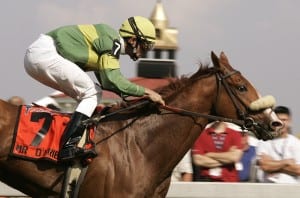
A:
[142,28]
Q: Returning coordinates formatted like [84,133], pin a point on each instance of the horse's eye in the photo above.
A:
[242,88]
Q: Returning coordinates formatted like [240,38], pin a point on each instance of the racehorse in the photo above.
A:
[138,148]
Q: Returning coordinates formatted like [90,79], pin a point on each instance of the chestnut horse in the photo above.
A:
[138,148]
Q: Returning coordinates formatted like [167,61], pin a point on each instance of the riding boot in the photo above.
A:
[71,136]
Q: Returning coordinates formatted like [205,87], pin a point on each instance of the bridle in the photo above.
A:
[221,80]
[248,122]
[243,120]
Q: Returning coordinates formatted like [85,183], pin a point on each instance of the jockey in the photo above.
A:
[61,58]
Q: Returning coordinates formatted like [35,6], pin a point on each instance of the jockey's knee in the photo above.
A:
[88,104]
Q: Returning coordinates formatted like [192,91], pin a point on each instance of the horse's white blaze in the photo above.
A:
[274,119]
[263,103]
[267,102]
[272,115]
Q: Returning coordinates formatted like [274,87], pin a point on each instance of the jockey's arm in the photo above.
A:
[110,77]
[113,80]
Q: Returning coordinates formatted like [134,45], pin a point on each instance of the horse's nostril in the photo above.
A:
[276,124]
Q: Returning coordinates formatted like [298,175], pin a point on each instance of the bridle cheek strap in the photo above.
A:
[221,79]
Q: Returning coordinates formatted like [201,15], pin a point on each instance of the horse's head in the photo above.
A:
[244,102]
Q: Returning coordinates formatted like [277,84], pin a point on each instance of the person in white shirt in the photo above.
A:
[278,160]
[183,170]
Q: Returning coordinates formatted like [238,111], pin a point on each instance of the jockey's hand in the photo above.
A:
[155,97]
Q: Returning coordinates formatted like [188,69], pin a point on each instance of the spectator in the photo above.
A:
[216,151]
[183,170]
[16,100]
[279,159]
[246,167]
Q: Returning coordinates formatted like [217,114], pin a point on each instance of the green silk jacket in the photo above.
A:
[95,48]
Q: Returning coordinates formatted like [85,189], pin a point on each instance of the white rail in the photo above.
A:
[5,190]
[211,190]
[232,190]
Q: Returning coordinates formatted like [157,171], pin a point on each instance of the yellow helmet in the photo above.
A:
[141,27]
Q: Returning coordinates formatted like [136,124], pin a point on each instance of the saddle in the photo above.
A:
[38,131]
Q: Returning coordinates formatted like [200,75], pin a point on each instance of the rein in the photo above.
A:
[245,122]
[95,119]
[196,114]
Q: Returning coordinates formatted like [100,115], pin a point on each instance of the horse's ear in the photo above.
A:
[224,61]
[215,59]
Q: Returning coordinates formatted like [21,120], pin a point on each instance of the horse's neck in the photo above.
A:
[176,133]
[169,134]
[163,138]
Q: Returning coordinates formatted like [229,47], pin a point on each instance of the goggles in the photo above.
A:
[146,45]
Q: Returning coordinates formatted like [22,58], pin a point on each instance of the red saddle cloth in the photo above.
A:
[37,133]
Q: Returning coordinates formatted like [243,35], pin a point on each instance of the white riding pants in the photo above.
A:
[43,63]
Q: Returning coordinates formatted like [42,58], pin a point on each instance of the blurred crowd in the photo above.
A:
[225,153]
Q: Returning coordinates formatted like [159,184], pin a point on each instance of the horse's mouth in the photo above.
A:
[263,132]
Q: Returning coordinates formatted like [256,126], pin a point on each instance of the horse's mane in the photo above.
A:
[178,84]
